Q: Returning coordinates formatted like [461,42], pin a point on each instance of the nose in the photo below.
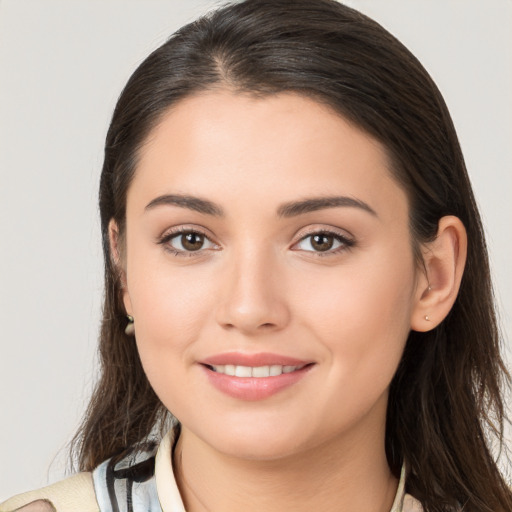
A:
[252,298]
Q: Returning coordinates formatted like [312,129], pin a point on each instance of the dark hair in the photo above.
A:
[445,402]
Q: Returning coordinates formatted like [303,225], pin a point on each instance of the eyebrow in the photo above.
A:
[291,209]
[190,202]
[312,204]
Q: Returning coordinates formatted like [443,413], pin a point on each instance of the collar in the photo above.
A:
[167,489]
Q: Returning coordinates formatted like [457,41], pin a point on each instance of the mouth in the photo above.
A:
[252,377]
[254,371]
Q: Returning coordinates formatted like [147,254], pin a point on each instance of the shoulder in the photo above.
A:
[73,493]
[123,483]
[411,504]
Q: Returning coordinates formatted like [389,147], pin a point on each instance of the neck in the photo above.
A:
[344,474]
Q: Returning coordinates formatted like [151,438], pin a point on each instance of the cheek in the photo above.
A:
[170,307]
[361,313]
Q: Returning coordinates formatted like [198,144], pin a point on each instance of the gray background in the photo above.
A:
[62,66]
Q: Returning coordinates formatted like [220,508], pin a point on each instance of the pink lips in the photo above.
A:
[253,388]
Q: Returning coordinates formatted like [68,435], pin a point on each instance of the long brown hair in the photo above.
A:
[446,403]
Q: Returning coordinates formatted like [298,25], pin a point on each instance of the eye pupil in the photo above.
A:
[322,242]
[192,241]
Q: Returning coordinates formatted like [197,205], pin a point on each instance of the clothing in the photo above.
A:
[142,481]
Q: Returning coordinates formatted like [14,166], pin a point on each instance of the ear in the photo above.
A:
[437,287]
[117,252]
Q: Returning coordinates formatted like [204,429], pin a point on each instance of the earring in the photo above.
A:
[130,327]
[427,318]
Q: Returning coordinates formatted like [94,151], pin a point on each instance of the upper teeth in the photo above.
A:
[254,371]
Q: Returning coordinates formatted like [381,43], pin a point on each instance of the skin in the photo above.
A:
[258,285]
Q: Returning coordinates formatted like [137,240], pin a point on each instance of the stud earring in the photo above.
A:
[427,318]
[130,327]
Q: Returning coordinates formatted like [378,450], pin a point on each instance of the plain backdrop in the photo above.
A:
[62,66]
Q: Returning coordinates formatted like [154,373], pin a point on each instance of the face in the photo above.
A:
[270,273]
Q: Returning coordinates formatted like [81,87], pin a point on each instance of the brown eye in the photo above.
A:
[192,241]
[187,242]
[322,242]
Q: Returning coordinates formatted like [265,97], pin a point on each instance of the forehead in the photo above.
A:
[272,149]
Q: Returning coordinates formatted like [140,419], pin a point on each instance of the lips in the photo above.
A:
[254,376]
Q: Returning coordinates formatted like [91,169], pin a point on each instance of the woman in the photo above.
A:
[296,270]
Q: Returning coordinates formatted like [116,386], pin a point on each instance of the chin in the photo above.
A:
[257,440]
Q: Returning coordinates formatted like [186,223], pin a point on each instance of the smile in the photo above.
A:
[252,377]
[254,371]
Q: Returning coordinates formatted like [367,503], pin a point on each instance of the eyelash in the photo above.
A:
[346,243]
[165,239]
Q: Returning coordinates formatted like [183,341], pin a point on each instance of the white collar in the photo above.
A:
[166,487]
